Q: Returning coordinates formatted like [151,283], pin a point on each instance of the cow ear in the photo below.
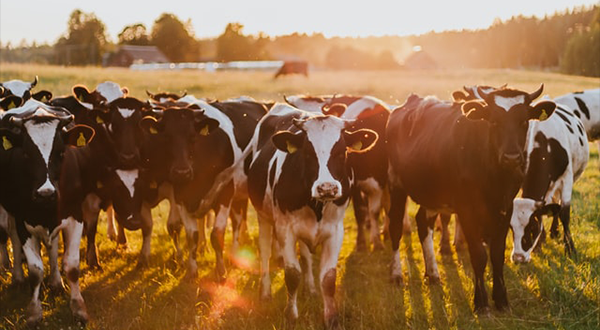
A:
[287,141]
[9,139]
[150,125]
[361,140]
[42,96]
[99,116]
[459,96]
[11,102]
[542,110]
[475,110]
[81,93]
[125,91]
[79,135]
[206,126]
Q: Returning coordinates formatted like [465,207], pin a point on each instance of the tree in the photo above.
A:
[174,39]
[233,45]
[84,41]
[582,54]
[135,34]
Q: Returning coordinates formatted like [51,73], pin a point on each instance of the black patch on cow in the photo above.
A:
[580,128]
[317,207]
[581,142]
[578,92]
[570,129]
[583,107]
[328,283]
[244,116]
[561,109]
[272,174]
[73,274]
[544,166]
[563,117]
[577,114]
[292,279]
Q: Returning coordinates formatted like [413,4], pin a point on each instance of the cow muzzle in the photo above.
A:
[181,175]
[511,159]
[129,160]
[327,191]
[519,258]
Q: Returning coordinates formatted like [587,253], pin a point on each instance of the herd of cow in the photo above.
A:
[300,162]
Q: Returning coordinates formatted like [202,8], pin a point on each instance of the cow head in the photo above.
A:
[122,128]
[471,92]
[18,88]
[179,130]
[164,97]
[527,226]
[105,92]
[508,112]
[320,144]
[37,137]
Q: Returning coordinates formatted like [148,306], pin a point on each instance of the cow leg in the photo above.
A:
[360,214]
[174,219]
[565,218]
[478,258]
[287,240]
[374,207]
[459,236]
[397,211]
[425,225]
[91,210]
[146,234]
[265,237]
[217,240]
[445,239]
[72,233]
[110,224]
[191,233]
[497,248]
[202,223]
[18,277]
[31,248]
[329,259]
[56,283]
[4,258]
[236,223]
[306,262]
[554,226]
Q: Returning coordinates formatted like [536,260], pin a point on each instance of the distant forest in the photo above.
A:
[567,41]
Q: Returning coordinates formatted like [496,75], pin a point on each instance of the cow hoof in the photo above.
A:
[291,315]
[143,263]
[503,307]
[79,310]
[34,313]
[483,311]
[333,323]
[433,279]
[397,280]
[57,288]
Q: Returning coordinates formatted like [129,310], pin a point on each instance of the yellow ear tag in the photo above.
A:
[99,185]
[6,143]
[80,98]
[544,115]
[204,131]
[153,130]
[81,141]
[11,105]
[43,99]
[357,145]
[153,185]
[99,120]
[290,147]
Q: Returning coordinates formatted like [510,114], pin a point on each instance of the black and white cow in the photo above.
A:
[203,159]
[299,183]
[468,162]
[557,154]
[34,141]
[370,168]
[21,89]
[586,106]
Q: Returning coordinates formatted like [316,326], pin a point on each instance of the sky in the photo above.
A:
[44,21]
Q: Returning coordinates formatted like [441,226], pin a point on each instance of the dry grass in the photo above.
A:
[552,292]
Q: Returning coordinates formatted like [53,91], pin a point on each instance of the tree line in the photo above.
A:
[568,41]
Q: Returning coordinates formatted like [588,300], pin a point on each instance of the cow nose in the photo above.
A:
[512,158]
[327,190]
[128,156]
[519,258]
[183,173]
[45,194]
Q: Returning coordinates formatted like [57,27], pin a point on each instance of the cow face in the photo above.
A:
[527,226]
[179,130]
[37,138]
[122,125]
[508,113]
[105,92]
[18,88]
[320,146]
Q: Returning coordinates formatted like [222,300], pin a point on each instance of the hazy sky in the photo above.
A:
[46,20]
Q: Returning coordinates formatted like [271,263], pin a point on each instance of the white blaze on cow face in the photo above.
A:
[523,208]
[323,134]
[508,102]
[42,135]
[126,113]
[128,177]
[110,90]
[17,87]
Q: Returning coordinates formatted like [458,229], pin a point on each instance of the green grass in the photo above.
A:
[552,292]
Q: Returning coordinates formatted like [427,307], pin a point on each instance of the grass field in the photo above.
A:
[552,292]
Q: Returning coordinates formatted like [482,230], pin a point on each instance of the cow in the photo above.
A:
[164,96]
[34,140]
[557,154]
[203,159]
[23,89]
[292,67]
[370,168]
[299,183]
[464,158]
[586,106]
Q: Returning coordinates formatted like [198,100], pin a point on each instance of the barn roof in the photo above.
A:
[144,54]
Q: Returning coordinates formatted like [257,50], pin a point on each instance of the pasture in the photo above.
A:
[552,292]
